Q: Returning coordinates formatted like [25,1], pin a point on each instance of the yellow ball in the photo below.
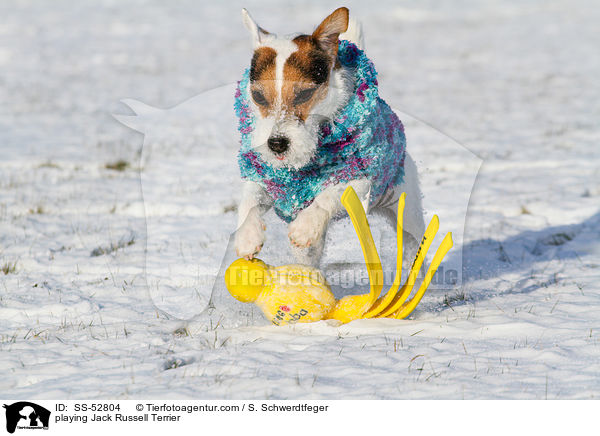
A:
[245,279]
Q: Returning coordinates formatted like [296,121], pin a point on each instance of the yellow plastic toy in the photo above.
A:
[297,293]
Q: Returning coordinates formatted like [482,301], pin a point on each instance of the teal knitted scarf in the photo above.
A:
[365,140]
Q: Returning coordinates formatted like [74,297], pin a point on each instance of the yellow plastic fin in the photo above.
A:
[409,306]
[405,291]
[384,302]
[359,219]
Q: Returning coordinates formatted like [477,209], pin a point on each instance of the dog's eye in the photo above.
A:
[303,96]
[259,98]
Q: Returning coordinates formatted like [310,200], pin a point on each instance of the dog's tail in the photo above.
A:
[354,33]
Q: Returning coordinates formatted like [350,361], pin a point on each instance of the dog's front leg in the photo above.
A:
[250,234]
[309,227]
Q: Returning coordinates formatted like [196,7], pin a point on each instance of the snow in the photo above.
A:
[500,102]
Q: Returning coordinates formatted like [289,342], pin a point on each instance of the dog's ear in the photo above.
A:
[329,30]
[257,32]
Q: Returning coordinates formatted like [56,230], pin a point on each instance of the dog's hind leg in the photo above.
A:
[413,223]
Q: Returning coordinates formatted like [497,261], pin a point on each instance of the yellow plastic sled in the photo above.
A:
[297,293]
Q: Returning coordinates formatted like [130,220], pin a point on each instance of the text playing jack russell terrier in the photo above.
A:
[312,124]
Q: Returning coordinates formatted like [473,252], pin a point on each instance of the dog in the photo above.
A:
[312,124]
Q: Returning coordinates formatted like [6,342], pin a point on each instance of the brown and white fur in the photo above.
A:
[296,83]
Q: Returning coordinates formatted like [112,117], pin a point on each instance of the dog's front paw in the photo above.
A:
[249,238]
[308,227]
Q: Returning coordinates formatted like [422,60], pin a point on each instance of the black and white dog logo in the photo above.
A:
[26,415]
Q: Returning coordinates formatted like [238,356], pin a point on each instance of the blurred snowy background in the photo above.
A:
[516,83]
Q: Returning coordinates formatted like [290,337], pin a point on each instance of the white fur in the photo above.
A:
[339,90]
[354,33]
[250,234]
[284,48]
[413,223]
[303,142]
[263,127]
[413,211]
[255,30]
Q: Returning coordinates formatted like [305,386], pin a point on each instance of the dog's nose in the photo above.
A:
[278,144]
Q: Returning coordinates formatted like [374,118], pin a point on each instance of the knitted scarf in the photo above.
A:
[366,139]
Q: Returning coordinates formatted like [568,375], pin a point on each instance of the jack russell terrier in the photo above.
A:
[312,123]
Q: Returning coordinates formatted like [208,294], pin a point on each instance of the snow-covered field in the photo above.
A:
[110,240]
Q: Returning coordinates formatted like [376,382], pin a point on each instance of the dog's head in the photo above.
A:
[296,83]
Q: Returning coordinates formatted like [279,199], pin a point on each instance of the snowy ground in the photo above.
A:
[516,83]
